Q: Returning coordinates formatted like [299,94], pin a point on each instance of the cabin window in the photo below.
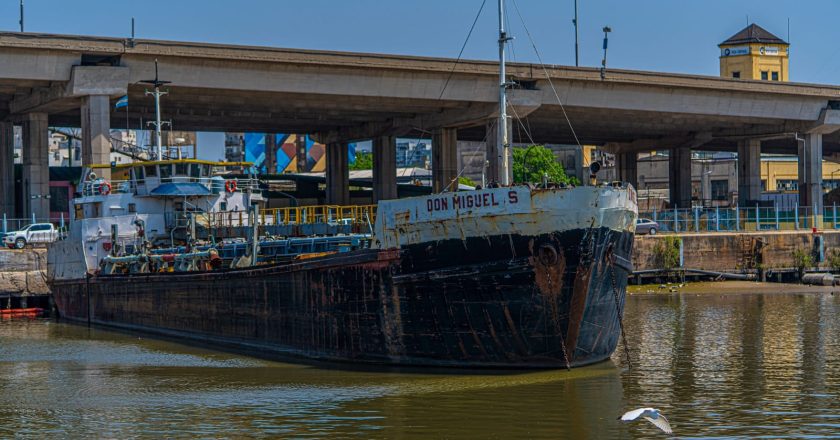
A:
[181,169]
[166,173]
[195,170]
[79,212]
[151,170]
[132,207]
[205,170]
[139,173]
[223,206]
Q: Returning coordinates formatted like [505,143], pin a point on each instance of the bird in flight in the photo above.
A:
[652,415]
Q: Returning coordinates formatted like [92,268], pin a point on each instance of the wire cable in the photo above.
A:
[553,89]
[464,46]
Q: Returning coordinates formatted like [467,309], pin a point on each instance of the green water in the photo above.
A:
[718,366]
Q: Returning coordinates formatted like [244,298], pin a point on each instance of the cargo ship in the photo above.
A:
[509,276]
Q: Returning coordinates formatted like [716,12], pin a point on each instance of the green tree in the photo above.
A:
[466,181]
[531,163]
[364,161]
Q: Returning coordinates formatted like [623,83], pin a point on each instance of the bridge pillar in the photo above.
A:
[7,169]
[96,133]
[494,154]
[384,168]
[36,166]
[628,167]
[338,174]
[444,159]
[679,177]
[270,153]
[810,172]
[749,172]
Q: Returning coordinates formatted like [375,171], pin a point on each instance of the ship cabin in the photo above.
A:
[165,190]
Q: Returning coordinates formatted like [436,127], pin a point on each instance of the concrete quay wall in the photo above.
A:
[738,252]
[22,273]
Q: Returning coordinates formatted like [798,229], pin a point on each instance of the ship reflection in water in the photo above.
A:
[717,366]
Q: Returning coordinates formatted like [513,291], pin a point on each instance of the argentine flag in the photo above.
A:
[122,102]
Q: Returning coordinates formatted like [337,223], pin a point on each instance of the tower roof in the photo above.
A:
[753,34]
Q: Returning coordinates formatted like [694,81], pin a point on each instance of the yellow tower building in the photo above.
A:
[754,53]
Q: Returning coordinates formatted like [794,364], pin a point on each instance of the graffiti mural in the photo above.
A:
[287,153]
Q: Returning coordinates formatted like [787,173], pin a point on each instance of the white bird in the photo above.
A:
[652,415]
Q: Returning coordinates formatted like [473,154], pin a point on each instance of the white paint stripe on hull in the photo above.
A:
[502,211]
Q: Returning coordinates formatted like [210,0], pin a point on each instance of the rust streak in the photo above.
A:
[580,288]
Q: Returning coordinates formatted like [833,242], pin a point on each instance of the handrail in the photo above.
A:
[98,187]
[299,215]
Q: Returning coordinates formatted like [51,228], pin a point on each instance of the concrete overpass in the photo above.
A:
[340,97]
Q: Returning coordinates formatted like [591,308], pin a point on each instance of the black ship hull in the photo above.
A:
[502,301]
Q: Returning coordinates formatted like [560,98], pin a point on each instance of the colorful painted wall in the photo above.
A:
[287,153]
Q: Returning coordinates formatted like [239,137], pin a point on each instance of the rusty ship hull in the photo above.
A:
[498,306]
[514,300]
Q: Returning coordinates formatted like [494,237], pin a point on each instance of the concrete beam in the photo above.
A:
[810,172]
[384,168]
[368,130]
[36,166]
[749,172]
[63,96]
[521,103]
[679,177]
[338,174]
[96,133]
[495,153]
[445,160]
[7,169]
[828,122]
[627,166]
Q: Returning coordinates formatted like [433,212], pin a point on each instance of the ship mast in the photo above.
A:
[157,122]
[502,144]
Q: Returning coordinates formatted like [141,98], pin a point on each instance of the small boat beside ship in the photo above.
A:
[511,276]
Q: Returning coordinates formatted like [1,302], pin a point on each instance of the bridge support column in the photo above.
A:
[338,174]
[495,154]
[96,133]
[628,168]
[444,159]
[679,177]
[7,169]
[810,172]
[384,168]
[749,172]
[270,153]
[36,166]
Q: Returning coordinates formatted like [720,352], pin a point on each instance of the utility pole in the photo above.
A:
[21,15]
[575,22]
[607,30]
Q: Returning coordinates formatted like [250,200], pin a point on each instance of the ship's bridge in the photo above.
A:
[169,178]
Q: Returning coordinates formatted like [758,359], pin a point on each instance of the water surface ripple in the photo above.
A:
[720,366]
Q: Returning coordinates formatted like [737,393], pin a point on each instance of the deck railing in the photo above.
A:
[302,215]
[744,219]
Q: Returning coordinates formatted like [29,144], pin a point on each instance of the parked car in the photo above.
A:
[646,226]
[37,233]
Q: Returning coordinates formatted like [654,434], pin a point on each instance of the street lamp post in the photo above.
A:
[606,30]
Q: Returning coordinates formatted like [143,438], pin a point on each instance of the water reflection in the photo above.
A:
[736,365]
[718,366]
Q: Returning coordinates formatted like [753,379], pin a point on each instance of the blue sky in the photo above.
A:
[661,35]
